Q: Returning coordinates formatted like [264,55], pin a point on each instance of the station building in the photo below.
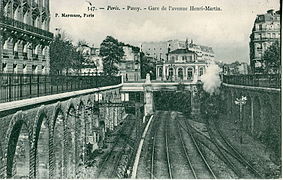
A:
[181,65]
[25,36]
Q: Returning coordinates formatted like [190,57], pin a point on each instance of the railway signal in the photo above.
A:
[241,101]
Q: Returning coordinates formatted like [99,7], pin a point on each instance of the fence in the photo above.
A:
[22,86]
[257,80]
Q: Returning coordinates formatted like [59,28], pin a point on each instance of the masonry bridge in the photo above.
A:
[46,136]
[262,111]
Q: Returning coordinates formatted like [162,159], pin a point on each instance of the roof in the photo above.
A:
[181,51]
[268,17]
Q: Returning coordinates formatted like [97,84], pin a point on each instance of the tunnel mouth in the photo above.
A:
[172,101]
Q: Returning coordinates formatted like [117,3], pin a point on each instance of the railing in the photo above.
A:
[22,86]
[21,25]
[256,80]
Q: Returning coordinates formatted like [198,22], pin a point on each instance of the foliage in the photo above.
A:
[272,58]
[63,56]
[112,53]
[147,66]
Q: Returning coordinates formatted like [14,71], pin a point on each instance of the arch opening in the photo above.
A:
[18,152]
[58,144]
[42,149]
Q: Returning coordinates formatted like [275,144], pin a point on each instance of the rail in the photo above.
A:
[23,86]
[256,80]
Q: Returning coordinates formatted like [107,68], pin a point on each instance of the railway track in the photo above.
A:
[115,155]
[237,154]
[181,138]
[153,151]
[208,167]
[225,155]
[167,148]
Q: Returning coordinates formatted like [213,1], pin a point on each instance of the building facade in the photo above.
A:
[235,68]
[25,36]
[93,64]
[130,64]
[160,50]
[266,30]
[182,65]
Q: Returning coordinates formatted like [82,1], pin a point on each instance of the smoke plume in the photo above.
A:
[211,80]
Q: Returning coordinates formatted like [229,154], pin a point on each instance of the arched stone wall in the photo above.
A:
[18,147]
[40,145]
[45,141]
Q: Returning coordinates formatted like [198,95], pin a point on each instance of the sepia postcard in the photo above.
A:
[140,89]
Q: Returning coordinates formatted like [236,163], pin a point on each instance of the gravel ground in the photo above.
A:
[252,149]
[219,167]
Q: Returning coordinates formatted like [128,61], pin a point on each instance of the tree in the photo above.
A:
[148,65]
[64,56]
[111,53]
[272,58]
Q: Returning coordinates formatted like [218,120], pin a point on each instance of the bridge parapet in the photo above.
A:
[23,86]
[255,80]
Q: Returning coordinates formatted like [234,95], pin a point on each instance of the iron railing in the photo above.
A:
[17,24]
[22,86]
[256,80]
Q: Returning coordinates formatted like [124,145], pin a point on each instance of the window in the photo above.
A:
[171,72]
[173,58]
[160,71]
[34,69]
[260,27]
[190,74]
[190,58]
[201,71]
[180,73]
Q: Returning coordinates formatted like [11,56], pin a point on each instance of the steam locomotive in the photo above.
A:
[210,105]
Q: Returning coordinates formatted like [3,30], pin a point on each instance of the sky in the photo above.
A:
[226,31]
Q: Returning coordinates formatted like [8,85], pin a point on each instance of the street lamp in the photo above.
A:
[241,101]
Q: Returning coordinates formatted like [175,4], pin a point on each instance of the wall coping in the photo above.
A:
[253,88]
[55,97]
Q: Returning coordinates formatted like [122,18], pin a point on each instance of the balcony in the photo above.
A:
[5,54]
[20,25]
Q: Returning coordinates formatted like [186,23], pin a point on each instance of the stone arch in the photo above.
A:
[267,115]
[247,116]
[229,100]
[18,147]
[40,144]
[257,115]
[102,132]
[89,124]
[56,142]
[80,133]
[71,140]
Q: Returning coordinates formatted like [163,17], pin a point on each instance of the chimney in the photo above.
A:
[270,11]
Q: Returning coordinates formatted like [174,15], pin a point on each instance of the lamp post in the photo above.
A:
[241,101]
